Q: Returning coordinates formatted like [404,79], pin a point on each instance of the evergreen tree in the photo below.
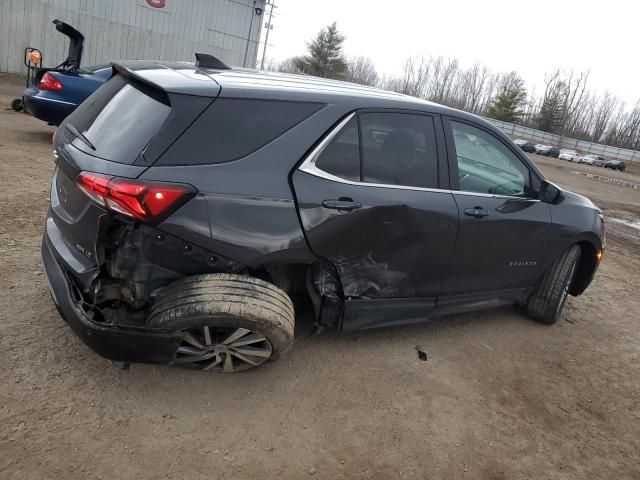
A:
[507,105]
[552,110]
[325,57]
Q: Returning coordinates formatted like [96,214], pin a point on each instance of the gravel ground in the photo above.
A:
[500,397]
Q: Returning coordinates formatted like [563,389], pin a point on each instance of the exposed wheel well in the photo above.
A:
[585,269]
[312,287]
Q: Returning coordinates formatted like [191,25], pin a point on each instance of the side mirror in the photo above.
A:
[549,193]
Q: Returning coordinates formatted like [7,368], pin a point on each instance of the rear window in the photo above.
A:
[118,119]
[232,128]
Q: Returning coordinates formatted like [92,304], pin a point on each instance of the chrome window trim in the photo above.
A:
[493,195]
[309,166]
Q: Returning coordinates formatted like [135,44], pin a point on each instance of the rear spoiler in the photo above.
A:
[170,77]
[76,46]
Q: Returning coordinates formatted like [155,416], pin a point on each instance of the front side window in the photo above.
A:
[384,148]
[486,165]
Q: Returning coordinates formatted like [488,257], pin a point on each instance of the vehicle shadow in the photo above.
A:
[42,137]
[317,360]
[314,345]
[463,325]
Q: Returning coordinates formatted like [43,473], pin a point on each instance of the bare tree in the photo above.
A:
[361,70]
[289,65]
[602,114]
[570,107]
[415,76]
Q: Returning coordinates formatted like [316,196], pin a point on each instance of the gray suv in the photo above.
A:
[195,209]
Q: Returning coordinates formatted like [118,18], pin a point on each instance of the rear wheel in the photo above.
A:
[17,104]
[231,322]
[547,302]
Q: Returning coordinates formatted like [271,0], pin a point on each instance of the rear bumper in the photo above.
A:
[50,110]
[115,342]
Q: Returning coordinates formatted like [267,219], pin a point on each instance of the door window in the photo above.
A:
[398,149]
[384,148]
[486,165]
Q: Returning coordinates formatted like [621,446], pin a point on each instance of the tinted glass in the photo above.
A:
[233,128]
[486,165]
[398,149]
[119,119]
[342,156]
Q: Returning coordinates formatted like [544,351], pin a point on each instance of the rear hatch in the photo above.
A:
[116,133]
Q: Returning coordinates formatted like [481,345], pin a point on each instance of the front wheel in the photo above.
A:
[547,302]
[230,322]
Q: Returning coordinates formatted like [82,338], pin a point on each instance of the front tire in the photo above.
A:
[231,322]
[547,302]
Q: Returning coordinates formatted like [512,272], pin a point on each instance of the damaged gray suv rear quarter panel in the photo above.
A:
[246,208]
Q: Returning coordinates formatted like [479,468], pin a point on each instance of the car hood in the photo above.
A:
[577,199]
[76,45]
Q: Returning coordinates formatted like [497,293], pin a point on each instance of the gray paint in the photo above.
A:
[129,29]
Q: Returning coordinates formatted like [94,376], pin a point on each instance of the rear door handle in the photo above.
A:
[477,212]
[342,204]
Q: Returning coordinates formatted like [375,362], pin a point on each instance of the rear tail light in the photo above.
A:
[49,82]
[148,202]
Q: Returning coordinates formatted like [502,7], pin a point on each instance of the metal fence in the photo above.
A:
[538,136]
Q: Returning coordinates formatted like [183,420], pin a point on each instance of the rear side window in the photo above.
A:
[119,119]
[399,149]
[232,128]
[342,156]
[384,148]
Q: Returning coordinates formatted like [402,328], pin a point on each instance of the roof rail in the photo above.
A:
[209,61]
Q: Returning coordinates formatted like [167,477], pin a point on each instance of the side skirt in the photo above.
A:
[363,313]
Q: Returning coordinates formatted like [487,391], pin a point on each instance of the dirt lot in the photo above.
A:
[501,397]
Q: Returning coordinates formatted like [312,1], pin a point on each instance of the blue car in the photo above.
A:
[56,92]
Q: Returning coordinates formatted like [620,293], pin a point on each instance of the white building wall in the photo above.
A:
[128,29]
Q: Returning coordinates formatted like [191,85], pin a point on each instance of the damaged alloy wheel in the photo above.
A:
[226,350]
[231,322]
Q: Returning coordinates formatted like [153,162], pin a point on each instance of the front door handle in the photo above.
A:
[342,204]
[477,212]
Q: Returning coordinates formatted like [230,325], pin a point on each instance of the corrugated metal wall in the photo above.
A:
[126,29]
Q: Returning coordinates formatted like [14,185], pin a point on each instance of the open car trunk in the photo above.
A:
[76,45]
[74,56]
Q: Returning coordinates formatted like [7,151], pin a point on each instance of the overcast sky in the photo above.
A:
[531,37]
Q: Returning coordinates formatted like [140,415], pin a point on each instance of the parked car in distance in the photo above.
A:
[525,145]
[542,149]
[552,152]
[615,165]
[566,154]
[597,160]
[58,91]
[197,209]
[587,159]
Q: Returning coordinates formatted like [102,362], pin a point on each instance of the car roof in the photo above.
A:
[187,78]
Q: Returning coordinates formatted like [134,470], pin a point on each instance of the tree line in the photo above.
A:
[566,107]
